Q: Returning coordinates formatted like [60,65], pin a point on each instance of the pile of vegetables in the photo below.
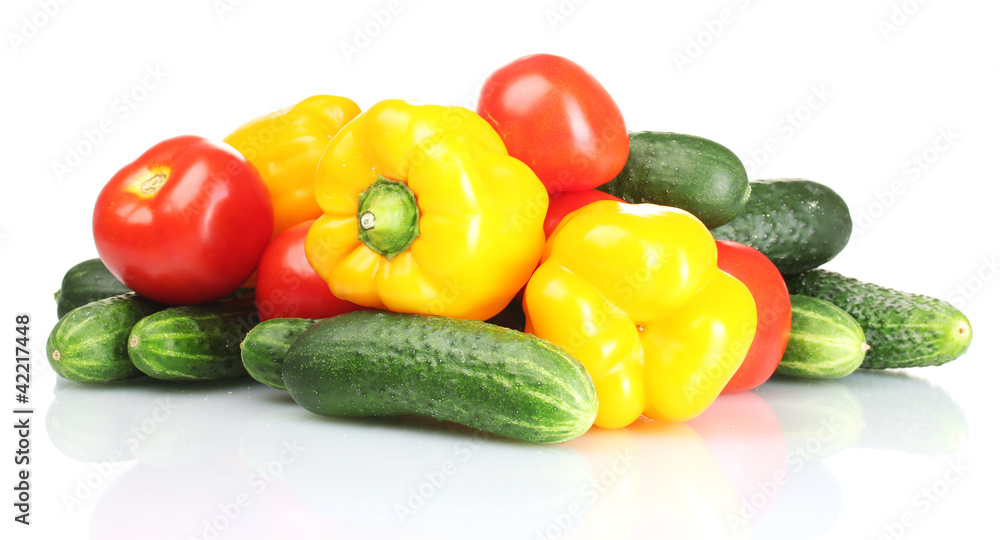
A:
[529,269]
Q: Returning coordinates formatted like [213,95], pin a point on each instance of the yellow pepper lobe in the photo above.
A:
[697,347]
[388,217]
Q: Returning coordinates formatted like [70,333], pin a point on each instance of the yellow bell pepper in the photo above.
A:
[634,292]
[286,145]
[424,212]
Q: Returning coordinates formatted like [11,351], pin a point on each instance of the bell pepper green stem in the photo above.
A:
[388,217]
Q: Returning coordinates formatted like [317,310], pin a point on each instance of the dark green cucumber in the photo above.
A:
[194,343]
[902,329]
[683,171]
[825,342]
[90,343]
[798,224]
[376,363]
[84,283]
[264,348]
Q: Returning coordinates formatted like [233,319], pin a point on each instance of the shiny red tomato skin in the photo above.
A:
[566,202]
[557,118]
[184,223]
[288,287]
[774,312]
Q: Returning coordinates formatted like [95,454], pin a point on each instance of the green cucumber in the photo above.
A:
[90,343]
[683,171]
[798,224]
[825,342]
[486,377]
[902,329]
[85,282]
[194,343]
[264,348]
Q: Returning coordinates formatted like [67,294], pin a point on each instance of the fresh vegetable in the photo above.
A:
[798,224]
[184,223]
[825,343]
[556,117]
[684,171]
[85,282]
[90,343]
[288,287]
[285,147]
[634,293]
[902,329]
[377,363]
[425,213]
[566,202]
[774,312]
[194,343]
[264,348]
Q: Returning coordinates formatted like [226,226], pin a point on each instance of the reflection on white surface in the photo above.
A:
[240,460]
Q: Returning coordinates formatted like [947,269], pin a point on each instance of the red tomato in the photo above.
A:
[554,116]
[185,223]
[564,203]
[774,312]
[288,287]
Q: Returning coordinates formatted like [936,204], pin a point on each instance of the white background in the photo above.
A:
[893,103]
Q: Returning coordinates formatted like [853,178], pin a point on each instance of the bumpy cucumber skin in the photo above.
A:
[85,282]
[683,171]
[825,342]
[799,224]
[194,343]
[90,343]
[375,363]
[264,348]
[903,329]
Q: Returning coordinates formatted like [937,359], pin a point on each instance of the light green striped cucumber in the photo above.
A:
[376,363]
[825,342]
[263,350]
[89,344]
[194,343]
